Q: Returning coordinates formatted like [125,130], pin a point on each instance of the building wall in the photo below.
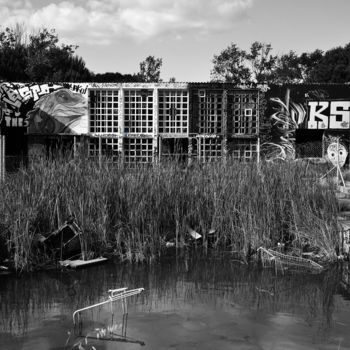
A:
[148,122]
[134,122]
[309,116]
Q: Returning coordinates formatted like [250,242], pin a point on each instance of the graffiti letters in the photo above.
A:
[328,115]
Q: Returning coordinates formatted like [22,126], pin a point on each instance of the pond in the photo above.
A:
[188,303]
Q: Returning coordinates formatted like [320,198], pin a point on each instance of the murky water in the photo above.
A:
[187,304]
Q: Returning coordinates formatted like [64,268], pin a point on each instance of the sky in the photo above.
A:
[116,35]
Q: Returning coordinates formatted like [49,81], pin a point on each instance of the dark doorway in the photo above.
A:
[16,149]
[174,149]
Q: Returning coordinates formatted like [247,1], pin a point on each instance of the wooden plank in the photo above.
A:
[81,263]
[341,195]
[345,224]
[343,189]
[344,204]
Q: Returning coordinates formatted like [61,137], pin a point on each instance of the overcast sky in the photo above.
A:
[116,35]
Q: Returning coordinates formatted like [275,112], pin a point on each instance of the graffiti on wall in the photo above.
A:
[297,109]
[18,99]
[337,153]
[45,108]
[61,111]
[285,119]
[328,114]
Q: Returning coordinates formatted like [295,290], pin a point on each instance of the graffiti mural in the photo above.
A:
[328,114]
[284,121]
[61,111]
[18,99]
[22,104]
[300,115]
[337,153]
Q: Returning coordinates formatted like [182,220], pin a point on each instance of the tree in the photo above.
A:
[13,58]
[150,69]
[332,67]
[229,66]
[47,61]
[115,77]
[287,69]
[261,61]
[38,57]
[308,62]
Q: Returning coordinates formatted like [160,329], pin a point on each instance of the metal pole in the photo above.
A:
[74,146]
[100,151]
[1,161]
[117,294]
[2,158]
[159,148]
[287,98]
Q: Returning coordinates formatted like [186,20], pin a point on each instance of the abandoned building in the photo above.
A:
[148,122]
[134,122]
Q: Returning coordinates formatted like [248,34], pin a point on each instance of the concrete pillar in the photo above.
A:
[100,151]
[121,123]
[159,148]
[155,133]
[224,125]
[190,150]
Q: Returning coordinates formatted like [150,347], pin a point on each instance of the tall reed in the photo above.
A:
[133,211]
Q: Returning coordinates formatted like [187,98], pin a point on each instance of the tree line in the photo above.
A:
[38,57]
[259,65]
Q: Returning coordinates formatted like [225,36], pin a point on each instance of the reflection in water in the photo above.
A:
[113,332]
[193,303]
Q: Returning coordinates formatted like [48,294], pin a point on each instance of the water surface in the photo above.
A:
[198,303]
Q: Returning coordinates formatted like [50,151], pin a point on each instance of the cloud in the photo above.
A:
[103,21]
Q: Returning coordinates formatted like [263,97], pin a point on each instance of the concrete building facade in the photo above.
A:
[148,122]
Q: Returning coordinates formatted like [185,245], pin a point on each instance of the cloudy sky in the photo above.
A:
[116,35]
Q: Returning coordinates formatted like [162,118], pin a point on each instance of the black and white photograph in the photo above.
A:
[174,174]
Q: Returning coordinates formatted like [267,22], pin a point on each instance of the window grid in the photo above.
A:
[244,115]
[138,150]
[173,112]
[138,111]
[109,148]
[243,149]
[210,113]
[210,148]
[103,111]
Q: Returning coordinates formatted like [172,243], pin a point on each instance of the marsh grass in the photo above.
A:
[131,212]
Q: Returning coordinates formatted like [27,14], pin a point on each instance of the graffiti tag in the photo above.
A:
[328,115]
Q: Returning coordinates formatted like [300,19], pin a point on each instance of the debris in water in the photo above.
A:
[269,256]
[195,235]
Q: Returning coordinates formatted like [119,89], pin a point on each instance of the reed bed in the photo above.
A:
[132,212]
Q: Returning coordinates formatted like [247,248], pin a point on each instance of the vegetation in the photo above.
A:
[38,57]
[150,69]
[237,66]
[259,65]
[131,213]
